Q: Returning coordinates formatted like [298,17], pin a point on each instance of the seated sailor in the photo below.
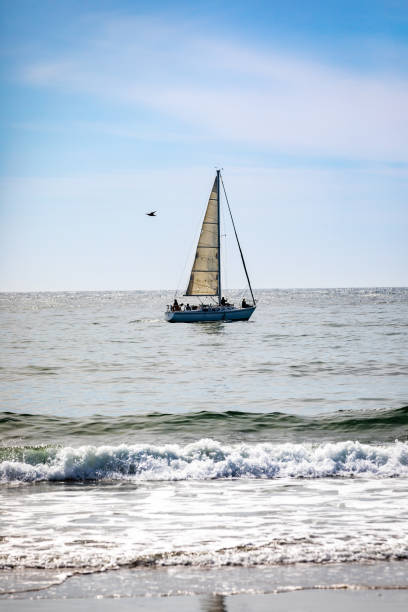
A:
[244,303]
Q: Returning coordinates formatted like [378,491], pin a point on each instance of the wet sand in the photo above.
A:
[299,601]
[374,587]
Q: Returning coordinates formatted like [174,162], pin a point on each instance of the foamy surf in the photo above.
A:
[205,459]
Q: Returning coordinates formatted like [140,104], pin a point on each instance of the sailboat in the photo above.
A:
[205,277]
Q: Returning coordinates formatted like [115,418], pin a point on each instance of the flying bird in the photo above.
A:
[152,214]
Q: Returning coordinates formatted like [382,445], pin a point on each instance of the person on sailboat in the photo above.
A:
[244,304]
[188,307]
[223,301]
[176,306]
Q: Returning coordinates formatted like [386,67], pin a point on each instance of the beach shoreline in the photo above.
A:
[306,601]
[370,581]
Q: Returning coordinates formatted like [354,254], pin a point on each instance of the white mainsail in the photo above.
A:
[204,278]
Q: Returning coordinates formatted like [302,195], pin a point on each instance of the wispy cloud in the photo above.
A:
[237,93]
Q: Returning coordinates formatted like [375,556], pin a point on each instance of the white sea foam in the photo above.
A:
[207,459]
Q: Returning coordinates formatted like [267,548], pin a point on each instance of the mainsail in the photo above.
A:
[205,273]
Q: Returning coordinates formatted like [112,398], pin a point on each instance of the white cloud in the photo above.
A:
[226,90]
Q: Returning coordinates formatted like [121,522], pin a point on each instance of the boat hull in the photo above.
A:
[203,316]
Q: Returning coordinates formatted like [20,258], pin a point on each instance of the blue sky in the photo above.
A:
[111,109]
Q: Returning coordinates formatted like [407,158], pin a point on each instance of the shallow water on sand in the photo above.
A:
[130,442]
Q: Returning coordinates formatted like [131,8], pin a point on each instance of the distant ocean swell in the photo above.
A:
[202,460]
[375,425]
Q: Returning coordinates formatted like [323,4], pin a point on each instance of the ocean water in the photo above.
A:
[190,456]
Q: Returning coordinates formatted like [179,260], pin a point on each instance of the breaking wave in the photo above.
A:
[202,460]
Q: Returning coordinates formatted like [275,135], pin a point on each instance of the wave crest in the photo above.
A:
[203,460]
[371,426]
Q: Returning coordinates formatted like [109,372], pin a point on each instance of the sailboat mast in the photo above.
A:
[219,237]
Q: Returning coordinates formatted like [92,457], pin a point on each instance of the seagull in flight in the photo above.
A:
[152,214]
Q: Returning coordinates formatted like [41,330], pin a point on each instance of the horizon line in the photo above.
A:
[174,290]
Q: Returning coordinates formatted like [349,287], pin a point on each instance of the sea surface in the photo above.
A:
[139,457]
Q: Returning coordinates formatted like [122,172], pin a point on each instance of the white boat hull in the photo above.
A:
[213,314]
